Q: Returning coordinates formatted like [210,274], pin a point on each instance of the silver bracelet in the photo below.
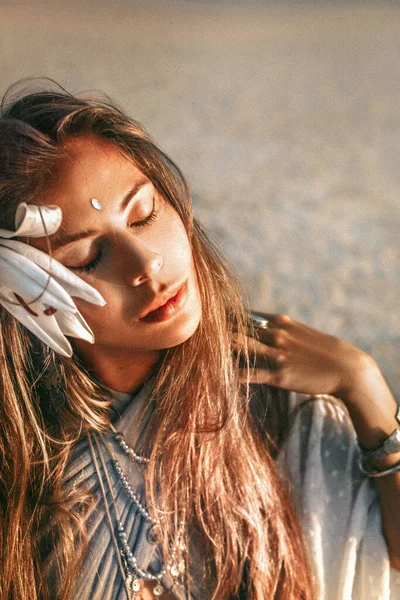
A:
[376,473]
[391,445]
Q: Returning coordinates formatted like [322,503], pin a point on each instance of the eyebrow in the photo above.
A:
[80,235]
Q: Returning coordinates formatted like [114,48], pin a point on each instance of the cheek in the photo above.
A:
[175,248]
[170,240]
[98,316]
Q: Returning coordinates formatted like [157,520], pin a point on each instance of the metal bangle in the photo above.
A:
[391,445]
[376,473]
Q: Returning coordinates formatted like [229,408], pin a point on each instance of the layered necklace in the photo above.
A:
[133,575]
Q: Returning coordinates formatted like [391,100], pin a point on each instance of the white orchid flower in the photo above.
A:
[36,289]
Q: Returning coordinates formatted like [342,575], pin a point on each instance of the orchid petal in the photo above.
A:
[45,327]
[34,221]
[74,285]
[74,325]
[36,289]
[27,279]
[16,298]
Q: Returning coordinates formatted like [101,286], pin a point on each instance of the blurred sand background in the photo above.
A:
[285,117]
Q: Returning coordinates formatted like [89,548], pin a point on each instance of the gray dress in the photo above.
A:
[100,577]
[339,507]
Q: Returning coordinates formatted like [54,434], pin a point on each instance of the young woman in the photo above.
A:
[148,445]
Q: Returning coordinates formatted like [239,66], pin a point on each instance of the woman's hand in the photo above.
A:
[297,357]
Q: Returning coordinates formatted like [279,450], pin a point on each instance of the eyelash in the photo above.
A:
[96,260]
[92,264]
[152,216]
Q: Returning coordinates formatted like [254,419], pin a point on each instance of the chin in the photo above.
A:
[177,335]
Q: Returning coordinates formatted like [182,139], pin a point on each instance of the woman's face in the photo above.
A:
[122,237]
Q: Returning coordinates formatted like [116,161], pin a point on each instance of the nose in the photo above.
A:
[141,263]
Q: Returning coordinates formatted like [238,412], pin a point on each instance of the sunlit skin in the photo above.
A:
[136,264]
[131,263]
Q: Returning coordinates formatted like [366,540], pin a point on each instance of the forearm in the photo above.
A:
[297,357]
[372,408]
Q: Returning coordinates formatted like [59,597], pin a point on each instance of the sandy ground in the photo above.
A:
[285,119]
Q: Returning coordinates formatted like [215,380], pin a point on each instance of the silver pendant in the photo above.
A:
[174,571]
[158,590]
[135,586]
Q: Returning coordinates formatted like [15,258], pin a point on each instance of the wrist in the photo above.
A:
[370,403]
[385,455]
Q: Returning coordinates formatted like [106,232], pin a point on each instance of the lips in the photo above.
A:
[159,302]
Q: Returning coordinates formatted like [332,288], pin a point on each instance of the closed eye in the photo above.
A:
[90,266]
[151,217]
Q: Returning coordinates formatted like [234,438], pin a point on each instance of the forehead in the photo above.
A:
[91,167]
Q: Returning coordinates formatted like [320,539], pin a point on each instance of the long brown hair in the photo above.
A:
[210,464]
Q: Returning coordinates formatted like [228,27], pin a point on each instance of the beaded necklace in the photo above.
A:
[132,574]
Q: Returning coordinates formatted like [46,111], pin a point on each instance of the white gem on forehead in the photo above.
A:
[96,204]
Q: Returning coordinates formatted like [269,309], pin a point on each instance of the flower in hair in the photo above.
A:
[36,289]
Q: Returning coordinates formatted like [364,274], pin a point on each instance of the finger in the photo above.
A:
[275,338]
[275,320]
[261,356]
[263,376]
[268,358]
[257,376]
[285,324]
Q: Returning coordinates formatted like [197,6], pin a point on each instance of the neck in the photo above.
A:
[123,372]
